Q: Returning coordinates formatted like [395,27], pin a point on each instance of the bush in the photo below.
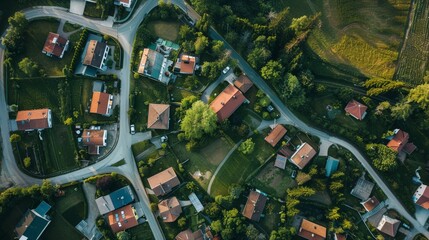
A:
[27,162]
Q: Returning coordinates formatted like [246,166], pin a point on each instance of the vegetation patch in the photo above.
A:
[168,30]
[140,147]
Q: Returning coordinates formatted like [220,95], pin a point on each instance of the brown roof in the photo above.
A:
[409,148]
[122,218]
[303,155]
[54,44]
[311,231]
[94,53]
[34,119]
[280,161]
[398,141]
[276,135]
[162,183]
[421,196]
[158,116]
[370,204]
[94,139]
[340,237]
[254,206]
[187,64]
[225,104]
[389,225]
[169,209]
[99,103]
[356,109]
[285,151]
[243,83]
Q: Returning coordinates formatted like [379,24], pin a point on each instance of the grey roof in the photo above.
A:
[97,86]
[115,200]
[196,202]
[43,208]
[363,189]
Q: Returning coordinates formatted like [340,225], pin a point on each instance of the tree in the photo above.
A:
[14,38]
[300,192]
[272,71]
[377,85]
[153,207]
[15,138]
[47,189]
[292,90]
[198,120]
[252,232]
[29,67]
[258,56]
[217,47]
[333,214]
[401,111]
[27,162]
[383,158]
[420,96]
[247,146]
[191,186]
[122,235]
[181,222]
[186,33]
[347,224]
[300,24]
[68,121]
[201,43]
[216,226]
[212,209]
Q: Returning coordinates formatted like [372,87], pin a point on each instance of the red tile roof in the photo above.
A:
[34,119]
[276,135]
[94,139]
[254,206]
[122,218]
[356,109]
[340,237]
[303,155]
[225,104]
[158,116]
[421,196]
[243,83]
[54,45]
[311,231]
[187,64]
[398,141]
[389,225]
[100,103]
[370,204]
[169,209]
[162,182]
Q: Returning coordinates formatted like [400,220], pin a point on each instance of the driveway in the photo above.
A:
[77,6]
[89,190]
[141,136]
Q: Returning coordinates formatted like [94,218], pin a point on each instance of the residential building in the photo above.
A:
[36,119]
[362,189]
[311,231]
[33,223]
[165,46]
[154,65]
[338,236]
[356,109]
[243,83]
[421,196]
[158,116]
[55,45]
[370,203]
[388,225]
[115,200]
[227,102]
[202,233]
[169,209]
[399,142]
[255,205]
[122,218]
[101,103]
[124,3]
[285,151]
[94,139]
[276,134]
[94,56]
[163,182]
[303,155]
[331,166]
[280,161]
[186,64]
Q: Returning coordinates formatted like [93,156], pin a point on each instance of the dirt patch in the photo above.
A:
[202,177]
[215,152]
[276,178]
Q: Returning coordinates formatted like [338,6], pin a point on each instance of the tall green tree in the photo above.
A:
[122,235]
[258,57]
[29,67]
[14,39]
[272,71]
[420,96]
[201,43]
[198,120]
[383,158]
[247,146]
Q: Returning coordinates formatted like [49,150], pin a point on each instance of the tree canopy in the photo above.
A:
[383,158]
[198,120]
[247,146]
[14,38]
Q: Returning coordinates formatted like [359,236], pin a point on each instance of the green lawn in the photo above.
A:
[141,232]
[140,147]
[273,180]
[168,30]
[92,11]
[178,94]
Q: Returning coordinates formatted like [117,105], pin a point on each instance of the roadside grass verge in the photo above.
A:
[140,147]
[70,27]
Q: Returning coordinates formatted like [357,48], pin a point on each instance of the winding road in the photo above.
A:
[125,33]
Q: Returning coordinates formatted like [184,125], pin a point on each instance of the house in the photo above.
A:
[123,218]
[303,155]
[36,119]
[33,223]
[362,189]
[202,233]
[338,236]
[370,203]
[94,139]
[165,46]
[356,109]
[311,231]
[163,182]
[158,116]
[225,104]
[154,65]
[421,196]
[124,3]
[243,83]
[185,64]
[101,103]
[280,161]
[115,200]
[96,53]
[196,202]
[331,165]
[55,45]
[169,209]
[255,205]
[276,134]
[399,142]
[388,225]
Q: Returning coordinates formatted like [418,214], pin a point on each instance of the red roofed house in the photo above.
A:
[303,155]
[162,183]
[122,218]
[421,196]
[399,142]
[243,83]
[169,209]
[202,233]
[311,231]
[158,116]
[356,109]
[338,236]
[185,64]
[370,204]
[125,3]
[101,103]
[389,226]
[55,45]
[94,139]
[225,104]
[276,135]
[29,120]
[254,206]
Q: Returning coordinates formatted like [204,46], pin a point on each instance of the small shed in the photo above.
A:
[196,202]
[331,166]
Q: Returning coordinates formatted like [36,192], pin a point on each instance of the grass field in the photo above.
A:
[273,180]
[140,147]
[70,27]
[141,232]
[168,30]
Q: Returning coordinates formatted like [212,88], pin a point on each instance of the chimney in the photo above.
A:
[222,103]
[234,97]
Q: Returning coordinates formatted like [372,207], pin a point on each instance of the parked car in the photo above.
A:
[226,70]
[132,129]
[293,175]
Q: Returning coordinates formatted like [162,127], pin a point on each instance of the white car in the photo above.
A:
[226,70]
[132,129]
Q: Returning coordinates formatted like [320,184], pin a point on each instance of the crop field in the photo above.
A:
[414,56]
